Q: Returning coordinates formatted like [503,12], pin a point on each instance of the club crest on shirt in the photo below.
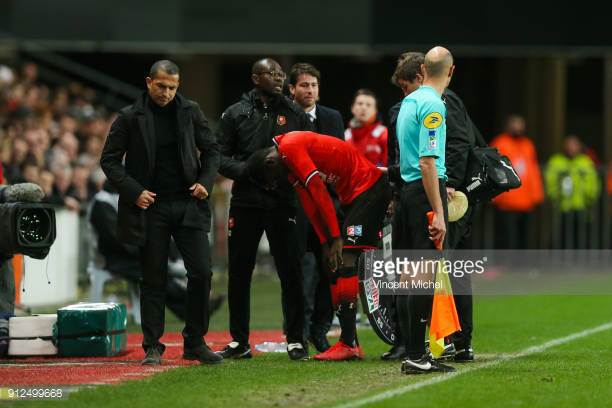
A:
[433,120]
[281,120]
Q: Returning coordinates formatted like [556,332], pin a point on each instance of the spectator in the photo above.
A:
[46,182]
[365,131]
[573,187]
[515,208]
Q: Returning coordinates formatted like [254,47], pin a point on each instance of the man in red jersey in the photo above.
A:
[308,161]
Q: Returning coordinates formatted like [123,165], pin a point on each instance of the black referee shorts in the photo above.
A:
[410,224]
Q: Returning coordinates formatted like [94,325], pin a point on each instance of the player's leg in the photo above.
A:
[361,231]
[154,261]
[415,308]
[245,228]
[282,235]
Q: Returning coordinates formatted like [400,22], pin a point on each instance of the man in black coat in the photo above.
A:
[171,161]
[304,83]
[245,127]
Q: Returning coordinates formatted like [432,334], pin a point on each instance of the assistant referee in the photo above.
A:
[421,133]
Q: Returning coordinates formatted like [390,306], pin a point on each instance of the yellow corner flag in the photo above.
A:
[444,319]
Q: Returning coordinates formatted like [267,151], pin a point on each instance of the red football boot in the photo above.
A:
[340,352]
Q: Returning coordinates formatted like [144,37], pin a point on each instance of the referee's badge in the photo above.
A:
[433,141]
[433,120]
[281,120]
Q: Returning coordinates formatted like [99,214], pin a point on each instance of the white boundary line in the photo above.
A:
[502,358]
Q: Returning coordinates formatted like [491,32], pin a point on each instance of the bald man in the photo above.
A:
[245,127]
[421,134]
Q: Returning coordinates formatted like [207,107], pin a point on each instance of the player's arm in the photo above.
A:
[430,148]
[300,164]
[314,194]
[311,211]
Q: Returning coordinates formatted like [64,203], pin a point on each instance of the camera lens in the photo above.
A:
[33,226]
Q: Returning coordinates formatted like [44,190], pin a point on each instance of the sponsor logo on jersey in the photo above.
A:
[433,142]
[354,230]
[433,120]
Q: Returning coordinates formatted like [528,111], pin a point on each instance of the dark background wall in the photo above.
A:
[545,60]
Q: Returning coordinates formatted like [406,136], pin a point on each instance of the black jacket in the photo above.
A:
[132,135]
[329,122]
[246,127]
[462,136]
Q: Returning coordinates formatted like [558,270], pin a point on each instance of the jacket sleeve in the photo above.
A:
[338,125]
[551,178]
[458,143]
[209,151]
[111,160]
[227,138]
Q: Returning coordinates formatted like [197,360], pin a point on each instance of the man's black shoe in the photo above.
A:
[203,354]
[297,351]
[153,357]
[425,365]
[320,343]
[397,352]
[235,350]
[464,355]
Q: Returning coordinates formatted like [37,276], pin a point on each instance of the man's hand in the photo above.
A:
[198,191]
[450,192]
[145,199]
[437,229]
[334,254]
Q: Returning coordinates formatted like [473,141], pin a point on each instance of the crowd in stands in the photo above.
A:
[51,136]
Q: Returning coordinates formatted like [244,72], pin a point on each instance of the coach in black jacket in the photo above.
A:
[245,127]
[171,161]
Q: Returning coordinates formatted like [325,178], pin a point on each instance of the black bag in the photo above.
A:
[488,175]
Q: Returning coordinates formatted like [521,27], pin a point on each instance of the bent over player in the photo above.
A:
[308,161]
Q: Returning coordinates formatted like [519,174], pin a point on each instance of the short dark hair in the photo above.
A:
[167,66]
[303,68]
[408,66]
[364,91]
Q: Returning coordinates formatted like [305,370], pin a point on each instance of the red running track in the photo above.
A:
[33,371]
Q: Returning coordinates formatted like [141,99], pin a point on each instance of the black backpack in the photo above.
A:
[488,175]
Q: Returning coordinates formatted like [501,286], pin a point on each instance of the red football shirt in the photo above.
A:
[313,159]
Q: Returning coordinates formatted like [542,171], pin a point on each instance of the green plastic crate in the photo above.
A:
[92,330]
